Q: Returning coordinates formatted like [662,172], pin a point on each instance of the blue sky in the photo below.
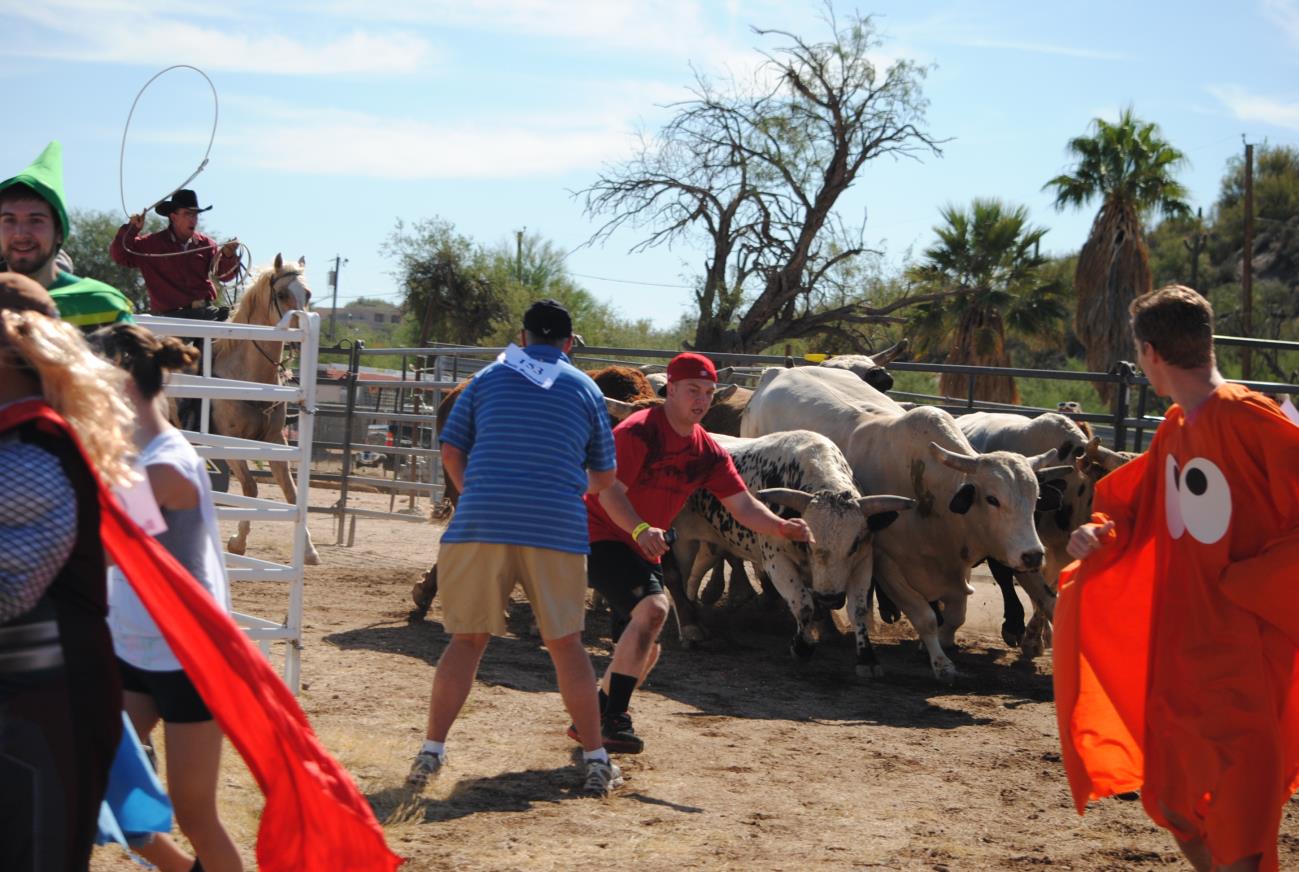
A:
[337,117]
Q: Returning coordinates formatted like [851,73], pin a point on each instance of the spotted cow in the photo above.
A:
[801,474]
[969,506]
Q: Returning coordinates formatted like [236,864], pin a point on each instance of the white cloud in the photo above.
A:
[677,27]
[1253,107]
[334,142]
[1039,48]
[1285,14]
[140,33]
[960,28]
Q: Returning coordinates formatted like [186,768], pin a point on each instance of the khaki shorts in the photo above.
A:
[475,580]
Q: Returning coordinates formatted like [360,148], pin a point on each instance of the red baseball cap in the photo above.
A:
[691,365]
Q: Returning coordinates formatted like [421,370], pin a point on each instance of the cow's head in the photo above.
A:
[995,500]
[843,525]
[618,409]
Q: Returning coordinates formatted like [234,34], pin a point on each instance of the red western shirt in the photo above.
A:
[661,469]
[173,282]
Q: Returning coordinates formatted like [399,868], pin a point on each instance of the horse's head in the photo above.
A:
[289,285]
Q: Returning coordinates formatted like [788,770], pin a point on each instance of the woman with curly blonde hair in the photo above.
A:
[155,686]
[60,694]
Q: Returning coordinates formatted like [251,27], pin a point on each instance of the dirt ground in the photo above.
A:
[751,761]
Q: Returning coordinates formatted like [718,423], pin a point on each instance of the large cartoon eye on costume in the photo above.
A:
[1173,499]
[1205,500]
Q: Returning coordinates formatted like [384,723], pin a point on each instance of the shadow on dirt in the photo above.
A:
[506,792]
[745,671]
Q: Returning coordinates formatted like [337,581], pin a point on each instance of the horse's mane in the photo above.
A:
[255,304]
[256,300]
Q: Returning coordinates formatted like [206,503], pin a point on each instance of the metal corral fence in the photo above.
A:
[298,327]
[405,402]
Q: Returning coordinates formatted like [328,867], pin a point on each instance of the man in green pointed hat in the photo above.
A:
[33,227]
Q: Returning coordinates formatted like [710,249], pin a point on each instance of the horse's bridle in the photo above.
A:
[279,314]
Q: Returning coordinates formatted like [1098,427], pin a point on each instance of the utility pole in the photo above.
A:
[1247,268]
[518,255]
[333,280]
[1195,245]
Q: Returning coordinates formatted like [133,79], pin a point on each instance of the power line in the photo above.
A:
[631,281]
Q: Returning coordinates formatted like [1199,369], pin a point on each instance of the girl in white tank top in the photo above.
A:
[155,687]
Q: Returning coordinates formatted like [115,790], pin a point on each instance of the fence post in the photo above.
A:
[1142,393]
[969,391]
[1126,372]
[353,371]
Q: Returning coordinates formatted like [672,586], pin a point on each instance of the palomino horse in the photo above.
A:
[276,290]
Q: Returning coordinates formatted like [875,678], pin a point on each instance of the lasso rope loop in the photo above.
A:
[121,155]
[245,253]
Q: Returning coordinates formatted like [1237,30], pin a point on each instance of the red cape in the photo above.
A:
[1177,644]
[314,819]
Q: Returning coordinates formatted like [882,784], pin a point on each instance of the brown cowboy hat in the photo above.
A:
[182,199]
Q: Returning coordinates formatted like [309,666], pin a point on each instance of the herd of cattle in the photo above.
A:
[903,501]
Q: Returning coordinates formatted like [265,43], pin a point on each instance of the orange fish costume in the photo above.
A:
[1177,644]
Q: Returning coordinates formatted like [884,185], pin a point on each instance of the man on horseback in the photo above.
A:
[178,263]
[33,225]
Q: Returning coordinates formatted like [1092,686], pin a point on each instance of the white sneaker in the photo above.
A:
[602,776]
[427,765]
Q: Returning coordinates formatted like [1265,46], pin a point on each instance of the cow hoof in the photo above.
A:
[1013,636]
[311,558]
[945,672]
[801,649]
[889,616]
[869,670]
[1032,648]
[422,598]
[234,546]
[692,634]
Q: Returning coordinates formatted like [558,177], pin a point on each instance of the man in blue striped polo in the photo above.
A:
[528,437]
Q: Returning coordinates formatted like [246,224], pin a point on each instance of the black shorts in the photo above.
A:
[623,577]
[173,693]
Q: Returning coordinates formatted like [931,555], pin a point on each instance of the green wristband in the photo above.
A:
[639,528]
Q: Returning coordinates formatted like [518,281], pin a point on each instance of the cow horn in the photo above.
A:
[618,409]
[652,367]
[1041,461]
[724,392]
[1052,471]
[959,462]
[877,503]
[726,373]
[1103,457]
[892,353]
[787,497]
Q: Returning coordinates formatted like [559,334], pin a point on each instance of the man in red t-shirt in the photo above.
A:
[663,457]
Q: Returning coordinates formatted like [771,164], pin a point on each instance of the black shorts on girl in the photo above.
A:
[173,693]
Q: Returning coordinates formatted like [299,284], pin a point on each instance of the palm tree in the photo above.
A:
[1129,167]
[990,254]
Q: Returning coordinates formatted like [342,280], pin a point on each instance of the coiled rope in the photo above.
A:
[245,254]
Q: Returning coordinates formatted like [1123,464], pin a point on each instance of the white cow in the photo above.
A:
[807,474]
[1065,503]
[969,506]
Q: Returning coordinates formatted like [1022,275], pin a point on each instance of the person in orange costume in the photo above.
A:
[1177,636]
